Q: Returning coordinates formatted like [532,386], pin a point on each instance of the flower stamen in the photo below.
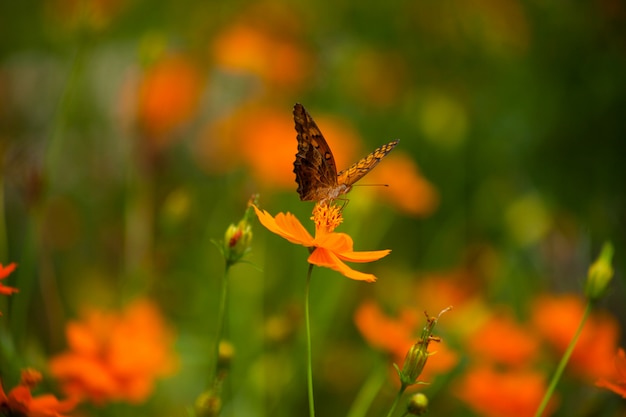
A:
[326,216]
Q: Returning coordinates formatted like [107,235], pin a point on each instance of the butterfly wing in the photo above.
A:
[314,165]
[358,170]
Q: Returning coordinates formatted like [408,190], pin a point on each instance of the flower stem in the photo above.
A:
[221,318]
[308,343]
[397,400]
[563,362]
[368,392]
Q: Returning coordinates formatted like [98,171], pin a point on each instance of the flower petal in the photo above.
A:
[620,365]
[5,271]
[342,245]
[363,256]
[619,389]
[286,226]
[7,290]
[326,258]
[336,242]
[49,405]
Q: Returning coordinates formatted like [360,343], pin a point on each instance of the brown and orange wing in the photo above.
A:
[314,165]
[359,169]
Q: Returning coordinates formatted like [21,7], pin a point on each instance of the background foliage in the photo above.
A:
[132,133]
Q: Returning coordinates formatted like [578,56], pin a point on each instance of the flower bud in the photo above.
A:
[238,238]
[600,273]
[208,404]
[226,352]
[237,241]
[417,355]
[30,378]
[417,405]
[414,363]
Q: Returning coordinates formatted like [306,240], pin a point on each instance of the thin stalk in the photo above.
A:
[397,400]
[368,391]
[26,278]
[221,318]
[308,343]
[559,370]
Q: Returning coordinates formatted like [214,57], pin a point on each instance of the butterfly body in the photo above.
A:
[315,168]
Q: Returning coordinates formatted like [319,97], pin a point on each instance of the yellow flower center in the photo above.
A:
[326,217]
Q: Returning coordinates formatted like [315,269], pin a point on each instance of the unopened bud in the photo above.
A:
[600,273]
[417,405]
[417,355]
[208,404]
[30,378]
[226,352]
[414,362]
[237,239]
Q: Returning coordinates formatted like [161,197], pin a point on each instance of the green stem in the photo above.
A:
[563,362]
[368,391]
[221,318]
[28,277]
[54,146]
[397,400]
[308,343]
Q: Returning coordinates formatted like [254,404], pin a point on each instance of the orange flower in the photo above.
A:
[5,271]
[168,96]
[409,190]
[330,248]
[456,287]
[265,141]
[386,334]
[116,356]
[21,402]
[496,393]
[617,381]
[503,341]
[265,40]
[557,318]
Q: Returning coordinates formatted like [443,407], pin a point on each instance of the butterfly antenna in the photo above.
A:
[370,185]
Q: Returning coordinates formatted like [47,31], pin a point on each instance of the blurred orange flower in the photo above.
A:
[20,401]
[168,97]
[504,341]
[396,336]
[408,190]
[116,356]
[453,287]
[265,140]
[617,381]
[272,55]
[5,271]
[330,248]
[557,318]
[497,393]
[457,287]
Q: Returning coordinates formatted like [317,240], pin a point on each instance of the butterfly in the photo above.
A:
[315,169]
